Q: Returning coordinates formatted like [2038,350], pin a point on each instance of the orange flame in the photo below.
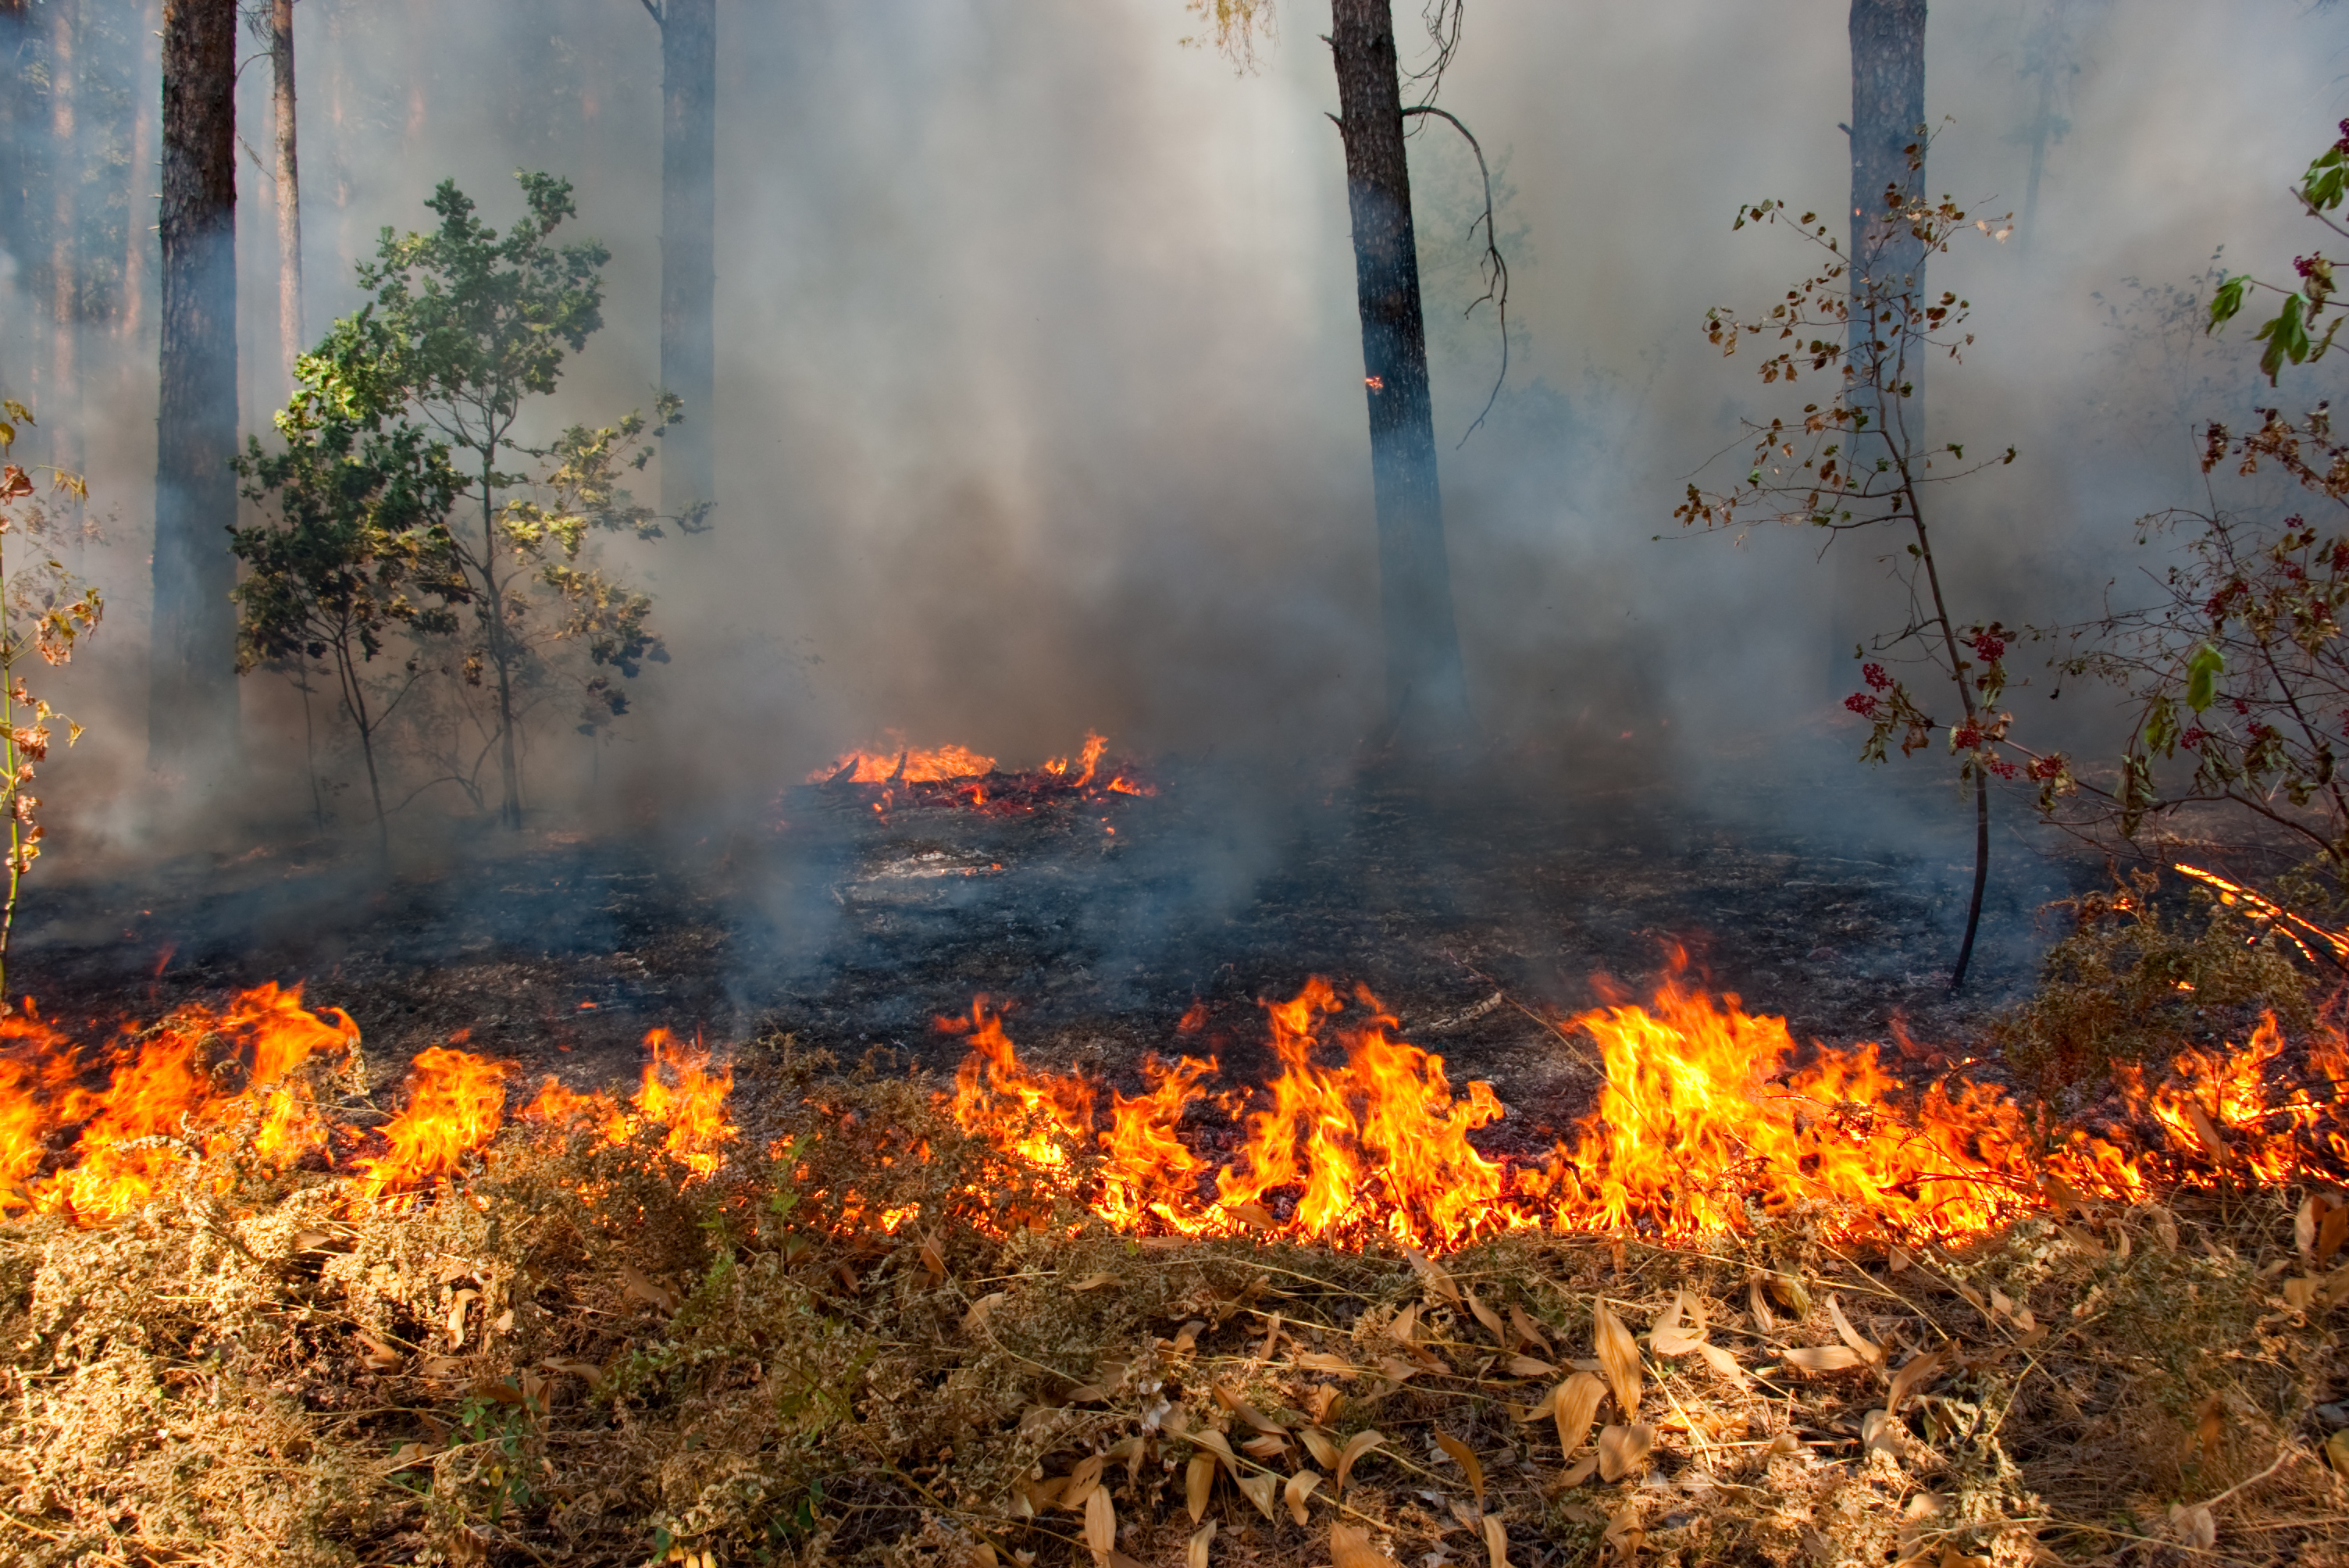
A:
[903,764]
[1704,1124]
[456,1102]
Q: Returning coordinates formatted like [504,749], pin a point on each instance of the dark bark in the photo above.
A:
[191,668]
[688,248]
[1426,693]
[291,339]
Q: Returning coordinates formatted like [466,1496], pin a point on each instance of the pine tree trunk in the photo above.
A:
[688,248]
[291,339]
[1426,693]
[191,657]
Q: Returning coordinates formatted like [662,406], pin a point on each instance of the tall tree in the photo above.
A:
[192,660]
[64,400]
[688,356]
[1426,692]
[291,339]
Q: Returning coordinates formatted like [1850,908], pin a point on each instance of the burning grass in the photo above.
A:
[792,1315]
[900,777]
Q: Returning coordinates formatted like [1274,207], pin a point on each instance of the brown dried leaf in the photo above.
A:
[441,1369]
[1621,1448]
[1823,1359]
[1489,1318]
[1248,1412]
[1101,1524]
[1624,1531]
[1322,1361]
[1212,1441]
[1395,1369]
[934,1262]
[1575,1403]
[1526,1366]
[2209,1424]
[1093,1282]
[2332,1231]
[1255,1214]
[1465,1458]
[652,1293]
[457,1305]
[1322,1404]
[1187,1336]
[1497,1543]
[2205,1132]
[1404,1329]
[1580,1470]
[1758,1303]
[1323,1447]
[1877,1429]
[1357,1445]
[1722,1362]
[1198,1481]
[1621,1357]
[1868,1349]
[1913,1377]
[1350,1547]
[378,1356]
[1264,1446]
[1529,1331]
[2195,1526]
[1082,1483]
[1434,1275]
[1194,1551]
[1300,1487]
[1260,1490]
[586,1369]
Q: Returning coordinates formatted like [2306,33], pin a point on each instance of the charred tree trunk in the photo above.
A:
[1426,692]
[688,248]
[191,669]
[291,339]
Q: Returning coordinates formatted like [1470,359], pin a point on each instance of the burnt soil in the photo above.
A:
[1474,908]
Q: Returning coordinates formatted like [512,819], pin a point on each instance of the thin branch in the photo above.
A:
[1495,268]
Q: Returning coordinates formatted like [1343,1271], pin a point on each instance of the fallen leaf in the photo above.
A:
[1621,1357]
[1488,1318]
[2207,1134]
[1529,1331]
[1579,1471]
[409,1453]
[1823,1359]
[1395,1369]
[1574,1404]
[1792,1293]
[1623,1531]
[1300,1487]
[2303,1226]
[1911,1377]
[1258,1488]
[1101,1524]
[1497,1543]
[378,1355]
[586,1369]
[1621,1448]
[1722,1362]
[2194,1525]
[650,1290]
[1248,1412]
[1875,1432]
[441,1369]
[1082,1483]
[1404,1328]
[1350,1547]
[934,1262]
[976,1318]
[1322,1446]
[1198,1481]
[1254,1215]
[1357,1445]
[1264,1446]
[1868,1349]
[1093,1282]
[457,1305]
[2333,1231]
[1187,1336]
[1433,1274]
[1322,1361]
[2336,1451]
[1323,1403]
[1526,1366]
[502,1323]
[1758,1303]
[1194,1551]
[1212,1441]
[2209,1422]
[1465,1458]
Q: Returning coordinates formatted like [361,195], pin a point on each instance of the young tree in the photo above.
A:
[467,323]
[361,546]
[688,30]
[192,693]
[1832,468]
[44,610]
[463,326]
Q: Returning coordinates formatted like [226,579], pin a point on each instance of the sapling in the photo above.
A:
[1857,462]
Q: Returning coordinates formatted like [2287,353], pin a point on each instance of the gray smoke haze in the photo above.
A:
[1041,377]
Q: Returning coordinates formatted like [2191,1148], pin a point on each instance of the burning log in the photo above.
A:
[955,777]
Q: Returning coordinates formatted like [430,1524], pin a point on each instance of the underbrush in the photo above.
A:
[581,1355]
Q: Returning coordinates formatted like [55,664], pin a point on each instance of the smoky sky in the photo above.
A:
[1039,377]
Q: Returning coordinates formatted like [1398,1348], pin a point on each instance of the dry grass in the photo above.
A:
[579,1358]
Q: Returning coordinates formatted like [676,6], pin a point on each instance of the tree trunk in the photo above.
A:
[1888,117]
[62,407]
[191,657]
[1426,693]
[688,248]
[291,339]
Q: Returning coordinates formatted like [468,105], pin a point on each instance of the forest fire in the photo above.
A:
[1706,1122]
[956,776]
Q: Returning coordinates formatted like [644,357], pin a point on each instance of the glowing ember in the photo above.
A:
[902,765]
[2265,910]
[956,776]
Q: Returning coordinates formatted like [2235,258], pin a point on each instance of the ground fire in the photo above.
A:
[1709,1119]
[955,776]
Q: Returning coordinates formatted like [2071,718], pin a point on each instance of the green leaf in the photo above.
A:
[2286,337]
[2202,672]
[2228,299]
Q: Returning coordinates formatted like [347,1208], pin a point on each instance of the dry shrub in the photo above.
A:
[2127,987]
[869,1341]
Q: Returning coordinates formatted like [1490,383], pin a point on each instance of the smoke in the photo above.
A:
[1040,381]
